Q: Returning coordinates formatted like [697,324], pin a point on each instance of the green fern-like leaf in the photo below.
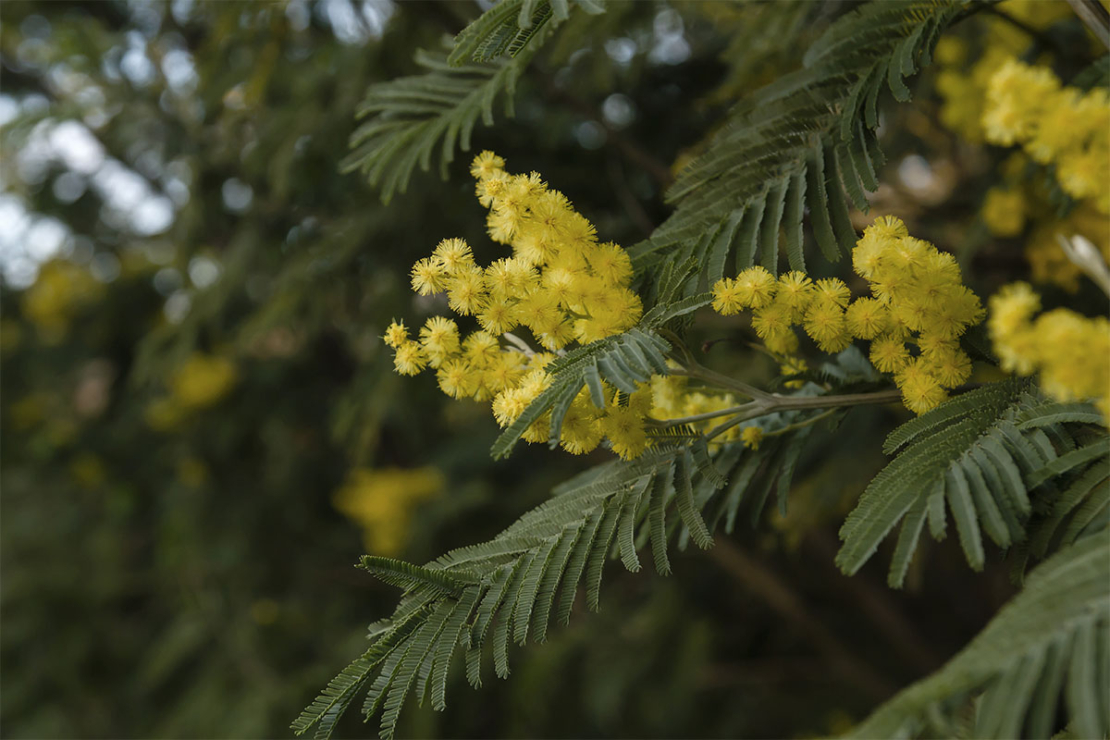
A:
[1048,644]
[509,26]
[482,598]
[803,141]
[970,454]
[411,117]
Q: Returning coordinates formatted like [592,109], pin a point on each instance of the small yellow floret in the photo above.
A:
[395,334]
[409,359]
[486,164]
[889,354]
[867,318]
[752,437]
[757,287]
[453,255]
[726,297]
[439,339]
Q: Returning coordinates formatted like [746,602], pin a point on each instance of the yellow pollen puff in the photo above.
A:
[782,344]
[481,348]
[889,354]
[429,276]
[835,290]
[488,189]
[825,323]
[409,359]
[466,290]
[726,297]
[453,255]
[457,379]
[624,426]
[866,318]
[485,165]
[439,339]
[794,293]
[497,317]
[395,334]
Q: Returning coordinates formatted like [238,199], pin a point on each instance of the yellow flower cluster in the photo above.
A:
[382,501]
[917,299]
[560,283]
[1057,125]
[1071,352]
[201,381]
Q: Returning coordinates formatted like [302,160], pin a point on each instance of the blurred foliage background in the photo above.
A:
[201,430]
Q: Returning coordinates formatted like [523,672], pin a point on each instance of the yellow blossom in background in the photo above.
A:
[1047,260]
[58,293]
[202,380]
[1070,352]
[27,412]
[88,470]
[163,414]
[1066,127]
[1004,211]
[381,502]
[192,472]
[265,611]
[963,88]
[1007,209]
[918,300]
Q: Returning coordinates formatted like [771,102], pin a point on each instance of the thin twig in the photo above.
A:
[774,402]
[876,604]
[699,372]
[707,415]
[519,343]
[799,424]
[1095,16]
[1086,257]
[1037,34]
[788,604]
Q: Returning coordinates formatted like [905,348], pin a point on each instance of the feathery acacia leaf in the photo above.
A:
[509,588]
[1039,649]
[803,141]
[969,453]
[411,116]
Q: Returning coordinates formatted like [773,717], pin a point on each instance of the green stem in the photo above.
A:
[698,372]
[774,402]
[799,424]
[702,417]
